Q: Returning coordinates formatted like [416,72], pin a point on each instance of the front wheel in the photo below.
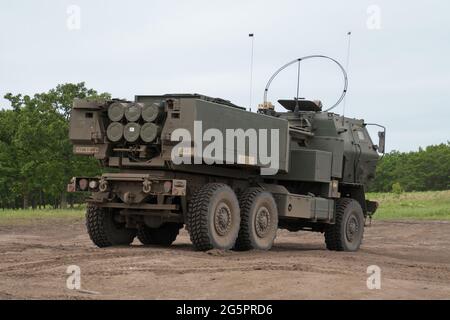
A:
[104,229]
[347,232]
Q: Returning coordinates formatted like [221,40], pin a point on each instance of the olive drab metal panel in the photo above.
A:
[311,146]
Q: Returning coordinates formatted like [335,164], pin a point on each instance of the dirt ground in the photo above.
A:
[414,257]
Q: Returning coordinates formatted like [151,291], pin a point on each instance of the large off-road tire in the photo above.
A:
[346,233]
[214,217]
[165,235]
[104,230]
[193,191]
[259,220]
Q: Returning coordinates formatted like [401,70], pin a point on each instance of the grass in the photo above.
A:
[22,216]
[430,205]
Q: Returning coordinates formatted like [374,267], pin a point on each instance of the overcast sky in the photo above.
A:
[399,72]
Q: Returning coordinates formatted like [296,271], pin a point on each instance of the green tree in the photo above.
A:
[35,150]
[9,170]
[425,169]
[397,188]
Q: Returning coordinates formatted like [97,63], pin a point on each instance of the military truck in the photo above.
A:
[324,162]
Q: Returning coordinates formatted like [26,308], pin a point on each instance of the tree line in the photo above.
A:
[422,170]
[36,159]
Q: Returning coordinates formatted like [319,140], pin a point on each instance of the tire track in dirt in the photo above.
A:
[413,255]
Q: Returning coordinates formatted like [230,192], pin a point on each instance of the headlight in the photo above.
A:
[83,184]
[93,184]
[167,186]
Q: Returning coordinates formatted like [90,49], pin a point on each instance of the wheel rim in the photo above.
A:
[262,222]
[222,219]
[352,229]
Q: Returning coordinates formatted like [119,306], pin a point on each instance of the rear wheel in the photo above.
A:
[214,217]
[347,232]
[259,220]
[165,235]
[104,229]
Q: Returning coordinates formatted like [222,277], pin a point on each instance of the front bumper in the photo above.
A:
[137,183]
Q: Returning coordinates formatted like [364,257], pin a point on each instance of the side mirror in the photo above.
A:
[381,141]
[381,147]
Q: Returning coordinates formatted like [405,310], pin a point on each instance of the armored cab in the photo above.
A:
[231,176]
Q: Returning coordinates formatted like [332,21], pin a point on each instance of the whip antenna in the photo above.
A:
[251,35]
[349,34]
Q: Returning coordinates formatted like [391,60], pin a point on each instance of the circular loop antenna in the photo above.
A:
[344,73]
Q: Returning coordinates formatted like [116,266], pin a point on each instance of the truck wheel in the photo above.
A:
[104,230]
[214,217]
[347,232]
[165,235]
[259,220]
